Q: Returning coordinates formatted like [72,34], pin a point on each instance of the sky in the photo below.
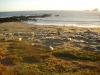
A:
[21,5]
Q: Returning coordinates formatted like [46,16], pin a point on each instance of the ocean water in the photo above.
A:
[75,18]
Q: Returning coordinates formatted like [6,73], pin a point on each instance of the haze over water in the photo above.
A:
[60,17]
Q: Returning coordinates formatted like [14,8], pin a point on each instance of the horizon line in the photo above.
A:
[48,10]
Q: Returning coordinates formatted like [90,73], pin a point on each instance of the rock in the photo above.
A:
[51,48]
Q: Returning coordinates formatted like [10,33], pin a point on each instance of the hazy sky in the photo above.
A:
[19,5]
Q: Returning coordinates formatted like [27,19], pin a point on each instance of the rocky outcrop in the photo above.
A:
[22,18]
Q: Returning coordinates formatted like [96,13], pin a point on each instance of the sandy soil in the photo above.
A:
[17,26]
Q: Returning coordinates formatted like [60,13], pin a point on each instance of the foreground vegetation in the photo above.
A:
[21,58]
[72,58]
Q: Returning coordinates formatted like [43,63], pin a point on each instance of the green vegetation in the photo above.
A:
[78,55]
[21,58]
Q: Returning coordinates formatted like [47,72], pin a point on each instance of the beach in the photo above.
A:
[44,48]
[50,37]
[20,26]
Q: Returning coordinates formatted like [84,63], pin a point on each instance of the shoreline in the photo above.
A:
[67,25]
[20,26]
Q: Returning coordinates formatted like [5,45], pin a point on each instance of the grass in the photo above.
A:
[77,55]
[24,59]
[21,58]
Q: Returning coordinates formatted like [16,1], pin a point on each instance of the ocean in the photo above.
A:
[74,18]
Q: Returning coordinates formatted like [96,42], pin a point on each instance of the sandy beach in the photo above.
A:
[18,26]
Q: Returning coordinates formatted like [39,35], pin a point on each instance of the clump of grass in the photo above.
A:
[77,55]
